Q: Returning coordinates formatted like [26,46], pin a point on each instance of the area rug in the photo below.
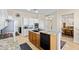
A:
[25,46]
[62,43]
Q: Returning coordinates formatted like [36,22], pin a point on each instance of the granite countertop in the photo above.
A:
[47,32]
[36,32]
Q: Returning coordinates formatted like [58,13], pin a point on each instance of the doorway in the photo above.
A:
[67,30]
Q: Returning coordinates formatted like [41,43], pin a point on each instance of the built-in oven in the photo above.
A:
[36,26]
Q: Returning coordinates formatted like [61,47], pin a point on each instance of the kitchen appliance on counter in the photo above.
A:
[36,27]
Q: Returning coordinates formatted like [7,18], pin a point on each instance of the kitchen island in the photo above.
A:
[43,40]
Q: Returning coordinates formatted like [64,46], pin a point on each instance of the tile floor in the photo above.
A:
[70,44]
[21,39]
[8,44]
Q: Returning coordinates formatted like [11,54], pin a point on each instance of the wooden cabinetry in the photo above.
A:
[34,38]
[53,42]
[30,36]
[68,31]
[37,39]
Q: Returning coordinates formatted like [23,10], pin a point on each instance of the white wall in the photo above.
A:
[42,24]
[54,23]
[76,28]
[9,28]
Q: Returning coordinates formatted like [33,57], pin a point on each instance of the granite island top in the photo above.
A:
[47,32]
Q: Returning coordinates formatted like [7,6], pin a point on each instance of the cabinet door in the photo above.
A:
[30,36]
[38,40]
[34,38]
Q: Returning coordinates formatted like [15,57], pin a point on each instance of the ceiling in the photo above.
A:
[39,11]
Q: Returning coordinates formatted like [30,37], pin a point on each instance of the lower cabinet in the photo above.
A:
[34,38]
[30,36]
[43,41]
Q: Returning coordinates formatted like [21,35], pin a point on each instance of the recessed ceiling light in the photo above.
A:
[28,9]
[36,11]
